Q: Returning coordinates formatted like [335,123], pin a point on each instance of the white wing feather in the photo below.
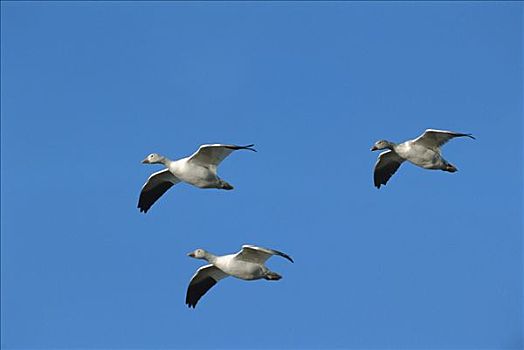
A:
[259,255]
[434,139]
[214,154]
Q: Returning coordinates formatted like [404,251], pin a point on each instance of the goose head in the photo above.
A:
[153,158]
[198,254]
[382,144]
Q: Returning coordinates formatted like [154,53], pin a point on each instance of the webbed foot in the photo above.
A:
[450,168]
[272,276]
[225,186]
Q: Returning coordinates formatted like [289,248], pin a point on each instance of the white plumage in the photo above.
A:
[199,169]
[424,151]
[247,264]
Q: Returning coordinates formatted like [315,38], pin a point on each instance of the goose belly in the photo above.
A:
[196,175]
[421,156]
[243,270]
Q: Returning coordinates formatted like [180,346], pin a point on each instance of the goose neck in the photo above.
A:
[391,145]
[166,161]
[211,258]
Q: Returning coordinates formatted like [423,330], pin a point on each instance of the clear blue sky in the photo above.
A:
[432,260]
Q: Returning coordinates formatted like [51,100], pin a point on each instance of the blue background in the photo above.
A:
[432,260]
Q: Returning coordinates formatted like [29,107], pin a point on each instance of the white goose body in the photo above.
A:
[248,264]
[194,173]
[244,270]
[424,151]
[419,155]
[199,169]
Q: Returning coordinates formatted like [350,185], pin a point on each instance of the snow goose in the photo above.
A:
[247,264]
[199,169]
[424,151]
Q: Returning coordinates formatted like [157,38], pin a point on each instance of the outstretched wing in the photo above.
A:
[259,255]
[205,278]
[387,164]
[214,154]
[156,185]
[432,138]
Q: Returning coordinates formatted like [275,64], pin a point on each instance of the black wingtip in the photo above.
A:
[284,255]
[242,147]
[249,147]
[466,135]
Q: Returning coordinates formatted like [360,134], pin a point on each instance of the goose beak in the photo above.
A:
[145,161]
[192,254]
[374,148]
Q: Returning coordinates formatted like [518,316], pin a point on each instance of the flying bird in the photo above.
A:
[424,151]
[247,264]
[199,169]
